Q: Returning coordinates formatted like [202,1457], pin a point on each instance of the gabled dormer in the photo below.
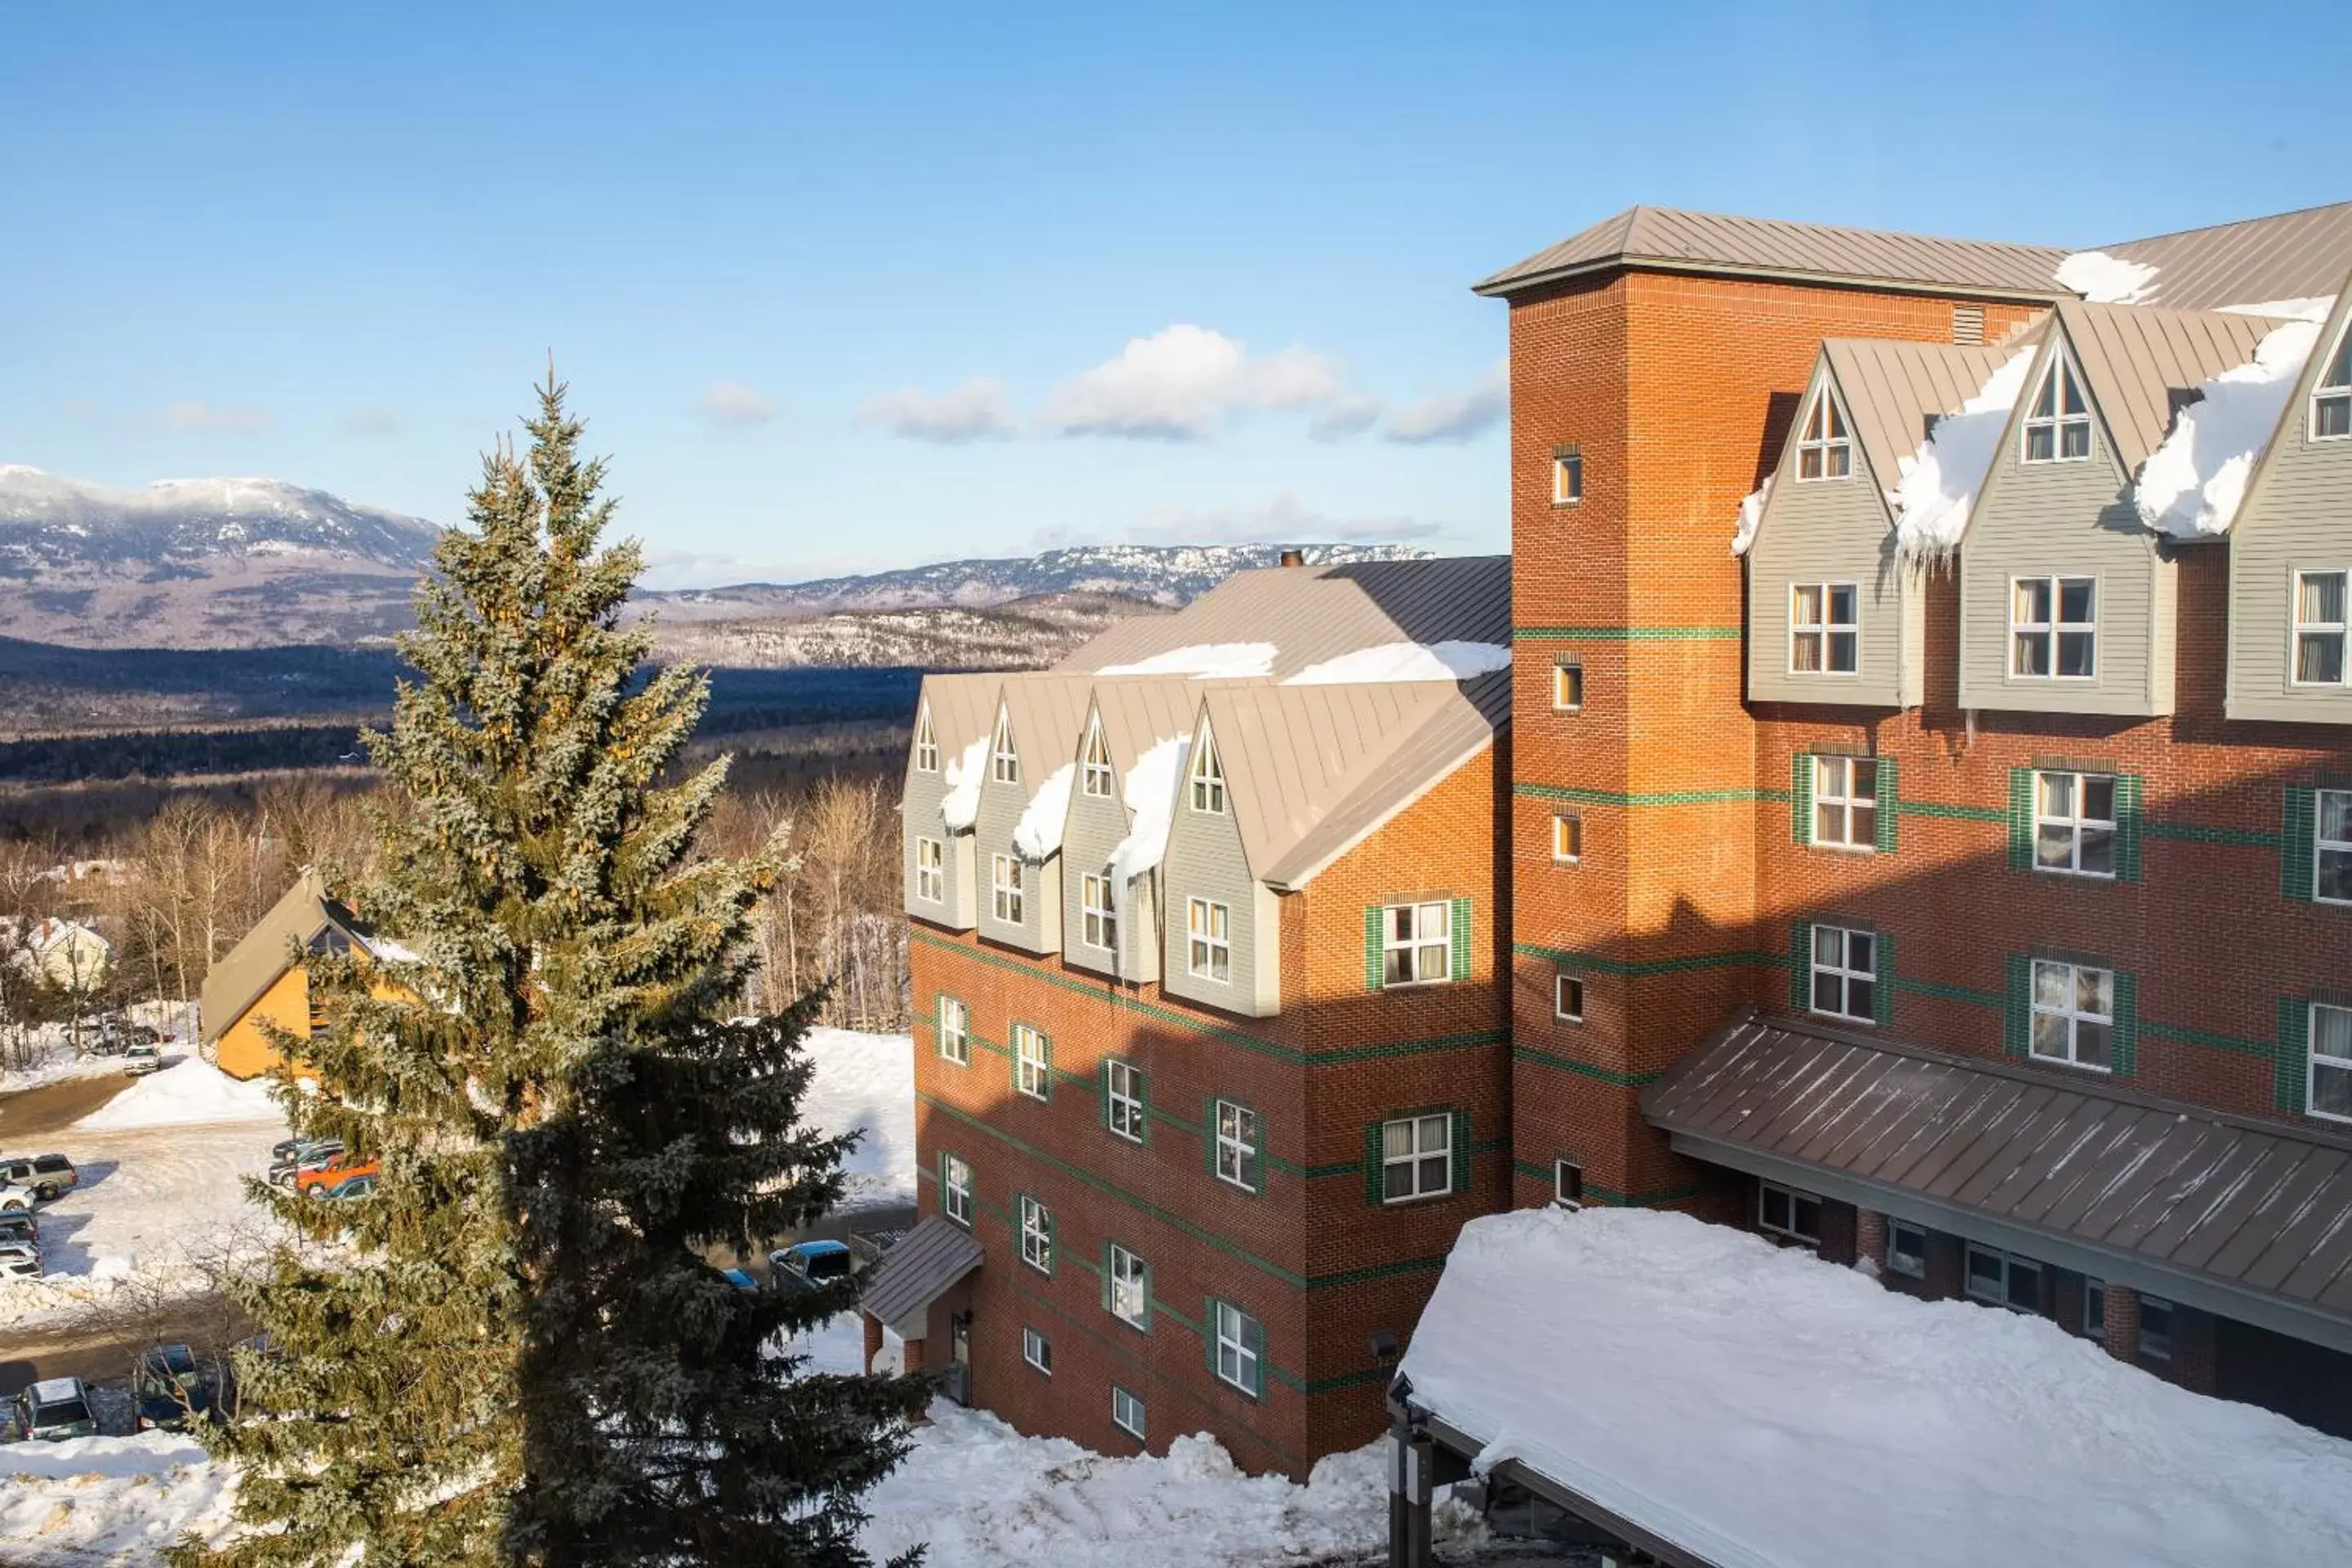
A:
[1130,768]
[940,796]
[1024,809]
[1224,941]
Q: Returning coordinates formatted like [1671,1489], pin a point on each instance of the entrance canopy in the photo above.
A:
[917,1271]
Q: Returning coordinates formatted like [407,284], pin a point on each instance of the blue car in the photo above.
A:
[174,1389]
[809,1264]
[740,1281]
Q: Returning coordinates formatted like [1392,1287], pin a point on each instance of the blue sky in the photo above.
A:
[767,243]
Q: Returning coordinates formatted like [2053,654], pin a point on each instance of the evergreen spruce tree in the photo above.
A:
[515,1351]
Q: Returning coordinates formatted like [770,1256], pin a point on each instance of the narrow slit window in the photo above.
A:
[1826,451]
[2058,426]
[1824,628]
[2320,626]
[1568,687]
[1005,763]
[1567,477]
[927,746]
[1568,837]
[2331,404]
[1567,998]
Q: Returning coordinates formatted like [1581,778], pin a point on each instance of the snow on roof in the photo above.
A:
[1450,660]
[1937,487]
[1762,1409]
[2191,485]
[1206,661]
[960,807]
[1149,791]
[2302,308]
[1751,516]
[2105,279]
[1038,834]
[51,1389]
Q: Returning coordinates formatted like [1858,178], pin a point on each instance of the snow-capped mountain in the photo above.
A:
[51,522]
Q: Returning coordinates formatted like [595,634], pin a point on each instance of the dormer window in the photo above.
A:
[2331,405]
[1824,628]
[1825,451]
[1094,771]
[2058,429]
[1006,767]
[927,746]
[1208,778]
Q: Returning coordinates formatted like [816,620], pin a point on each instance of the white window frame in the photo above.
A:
[1036,1350]
[1130,1288]
[2078,824]
[1568,687]
[1036,1231]
[1567,479]
[2336,393]
[1098,912]
[1209,941]
[1414,946]
[1911,1265]
[1123,1100]
[1567,838]
[1206,778]
[954,1030]
[1567,1184]
[1826,442]
[1007,901]
[1094,768]
[1825,632]
[927,744]
[1232,1326]
[1237,1144]
[955,1189]
[2299,628]
[931,876]
[1567,998]
[1033,1062]
[1791,1228]
[2012,1265]
[2322,845]
[2058,421]
[1127,1413]
[2071,1013]
[1845,974]
[1005,762]
[1839,795]
[1414,1158]
[2053,631]
[2324,1062]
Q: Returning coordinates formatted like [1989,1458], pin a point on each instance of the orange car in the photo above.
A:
[326,1178]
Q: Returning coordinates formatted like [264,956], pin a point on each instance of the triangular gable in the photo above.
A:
[2054,347]
[1043,717]
[2140,364]
[2333,348]
[232,986]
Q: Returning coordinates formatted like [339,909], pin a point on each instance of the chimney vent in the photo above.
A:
[1294,557]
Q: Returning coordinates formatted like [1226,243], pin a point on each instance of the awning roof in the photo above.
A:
[935,1254]
[2251,1220]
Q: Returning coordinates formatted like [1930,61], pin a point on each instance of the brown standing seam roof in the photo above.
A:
[1137,715]
[1890,389]
[1049,714]
[235,982]
[2136,357]
[2245,1218]
[935,1254]
[2258,261]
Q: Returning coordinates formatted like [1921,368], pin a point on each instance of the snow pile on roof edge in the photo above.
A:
[1038,834]
[2105,279]
[960,807]
[1751,516]
[1204,661]
[2191,486]
[1149,792]
[1937,488]
[1451,660]
[1763,1409]
[2302,308]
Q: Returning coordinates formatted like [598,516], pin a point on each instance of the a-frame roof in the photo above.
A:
[1139,714]
[1048,715]
[1892,390]
[2139,363]
[235,982]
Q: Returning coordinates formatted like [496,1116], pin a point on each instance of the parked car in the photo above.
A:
[140,1059]
[349,1190]
[810,1265]
[14,1199]
[55,1409]
[324,1180]
[175,1388]
[49,1175]
[301,1157]
[740,1281]
[20,1259]
[21,1226]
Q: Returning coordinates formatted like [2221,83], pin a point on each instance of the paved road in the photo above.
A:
[52,1108]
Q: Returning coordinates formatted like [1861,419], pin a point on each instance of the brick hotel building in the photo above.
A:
[1957,877]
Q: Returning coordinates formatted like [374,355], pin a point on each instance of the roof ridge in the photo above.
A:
[2112,245]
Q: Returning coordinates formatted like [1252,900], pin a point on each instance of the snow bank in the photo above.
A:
[1452,660]
[866,1083]
[960,807]
[2105,279]
[190,1089]
[109,1499]
[1207,661]
[1751,516]
[1038,834]
[2191,485]
[1937,488]
[1763,1409]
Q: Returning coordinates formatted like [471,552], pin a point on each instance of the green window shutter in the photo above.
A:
[1012,1059]
[1045,1065]
[1209,1134]
[1375,969]
[1105,1276]
[2123,1060]
[1374,1191]
[1253,1168]
[1800,970]
[2291,1087]
[2298,843]
[2127,827]
[1253,1336]
[1052,1252]
[2021,819]
[1145,1323]
[1461,1151]
[1890,806]
[2017,1003]
[1461,939]
[1102,1097]
[1882,990]
[1801,797]
[1142,1082]
[1209,1332]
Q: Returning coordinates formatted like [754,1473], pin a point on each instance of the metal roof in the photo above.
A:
[2141,362]
[2256,261]
[1709,242]
[963,708]
[1047,713]
[1139,714]
[935,1254]
[1892,389]
[2250,1219]
[251,967]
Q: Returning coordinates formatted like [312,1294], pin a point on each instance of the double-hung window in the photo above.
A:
[1094,771]
[1123,1100]
[927,746]
[955,1031]
[1037,1235]
[2074,824]
[1127,1412]
[2058,426]
[1208,940]
[2073,1011]
[1005,762]
[1238,1338]
[2320,625]
[1846,801]
[1100,924]
[1129,1286]
[1208,778]
[1237,1145]
[2002,1279]
[1032,1063]
[930,870]
[1004,888]
[955,1189]
[2330,1092]
[1845,973]
[1824,451]
[2331,404]
[1784,1212]
[1037,1351]
[1417,942]
[1416,1158]
[1824,628]
[2054,628]
[2332,848]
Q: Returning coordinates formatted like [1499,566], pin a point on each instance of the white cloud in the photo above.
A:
[195,415]
[732,402]
[1180,383]
[1456,415]
[979,410]
[1284,520]
[1349,414]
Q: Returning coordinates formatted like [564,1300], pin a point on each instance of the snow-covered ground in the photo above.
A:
[867,1081]
[55,1060]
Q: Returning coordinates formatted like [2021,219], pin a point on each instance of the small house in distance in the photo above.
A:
[258,983]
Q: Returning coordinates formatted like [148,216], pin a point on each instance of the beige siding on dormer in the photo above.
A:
[1205,860]
[1040,928]
[919,818]
[1097,824]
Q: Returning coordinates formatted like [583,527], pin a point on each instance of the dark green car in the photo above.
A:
[52,1410]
